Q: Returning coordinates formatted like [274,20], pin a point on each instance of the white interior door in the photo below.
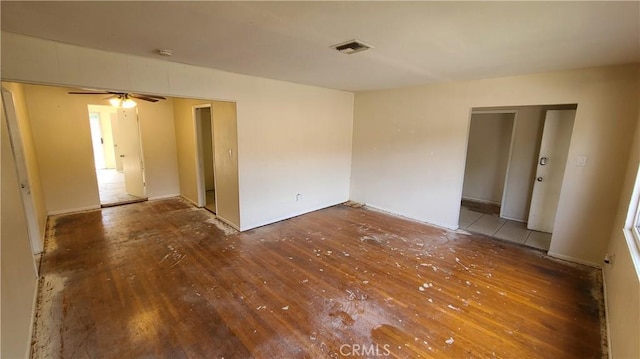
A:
[130,152]
[554,148]
[115,131]
[15,136]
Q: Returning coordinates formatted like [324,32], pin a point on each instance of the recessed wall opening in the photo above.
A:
[516,157]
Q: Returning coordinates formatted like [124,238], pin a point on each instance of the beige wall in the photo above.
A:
[622,279]
[292,139]
[487,156]
[409,148]
[225,142]
[31,158]
[62,138]
[18,276]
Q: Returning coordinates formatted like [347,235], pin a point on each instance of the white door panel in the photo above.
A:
[554,148]
[130,152]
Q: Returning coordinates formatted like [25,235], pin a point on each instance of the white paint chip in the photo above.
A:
[452,307]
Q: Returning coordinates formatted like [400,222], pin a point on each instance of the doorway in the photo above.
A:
[117,155]
[488,149]
[206,157]
[510,180]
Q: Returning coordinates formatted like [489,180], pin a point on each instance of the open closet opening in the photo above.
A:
[514,169]
[206,155]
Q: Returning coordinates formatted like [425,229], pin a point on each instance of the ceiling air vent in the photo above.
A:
[351,47]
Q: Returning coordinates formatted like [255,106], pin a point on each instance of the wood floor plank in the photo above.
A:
[162,279]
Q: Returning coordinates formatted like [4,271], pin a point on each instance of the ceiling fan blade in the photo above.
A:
[123,95]
[147,96]
[89,93]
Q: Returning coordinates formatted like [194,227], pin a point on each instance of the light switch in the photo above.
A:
[582,161]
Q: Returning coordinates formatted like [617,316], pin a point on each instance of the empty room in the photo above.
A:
[320,179]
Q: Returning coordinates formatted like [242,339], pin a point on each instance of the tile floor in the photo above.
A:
[111,188]
[494,226]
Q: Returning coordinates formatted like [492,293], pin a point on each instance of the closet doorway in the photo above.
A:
[206,157]
[514,168]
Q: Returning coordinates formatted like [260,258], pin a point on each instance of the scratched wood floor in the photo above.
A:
[162,279]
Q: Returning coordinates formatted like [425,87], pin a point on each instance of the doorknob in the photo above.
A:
[539,179]
[543,161]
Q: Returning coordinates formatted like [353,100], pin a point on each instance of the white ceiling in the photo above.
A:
[415,42]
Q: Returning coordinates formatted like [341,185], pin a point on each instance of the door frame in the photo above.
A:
[35,233]
[511,143]
[200,185]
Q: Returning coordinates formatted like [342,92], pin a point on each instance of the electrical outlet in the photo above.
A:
[582,161]
[299,197]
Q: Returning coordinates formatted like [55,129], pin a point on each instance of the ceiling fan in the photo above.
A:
[121,99]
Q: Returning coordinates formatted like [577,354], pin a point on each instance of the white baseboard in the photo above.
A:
[387,212]
[73,210]
[222,219]
[574,260]
[165,196]
[514,219]
[190,201]
[285,217]
[472,199]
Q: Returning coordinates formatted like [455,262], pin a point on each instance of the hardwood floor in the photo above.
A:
[164,279]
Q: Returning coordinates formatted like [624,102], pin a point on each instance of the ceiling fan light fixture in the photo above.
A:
[115,102]
[128,103]
[120,102]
